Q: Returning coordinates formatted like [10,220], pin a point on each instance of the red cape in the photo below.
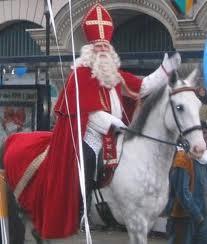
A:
[52,196]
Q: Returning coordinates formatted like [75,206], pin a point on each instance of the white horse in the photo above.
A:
[138,191]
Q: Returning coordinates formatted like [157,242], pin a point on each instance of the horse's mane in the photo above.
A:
[138,123]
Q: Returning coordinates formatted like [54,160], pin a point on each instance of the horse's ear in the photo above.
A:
[191,79]
[175,79]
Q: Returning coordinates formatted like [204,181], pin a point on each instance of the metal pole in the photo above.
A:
[47,53]
[47,16]
[1,75]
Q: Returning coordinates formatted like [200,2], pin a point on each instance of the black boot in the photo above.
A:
[89,191]
[90,166]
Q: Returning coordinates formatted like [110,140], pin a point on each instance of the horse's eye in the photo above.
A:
[179,107]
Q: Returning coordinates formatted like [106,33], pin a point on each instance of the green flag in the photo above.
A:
[184,6]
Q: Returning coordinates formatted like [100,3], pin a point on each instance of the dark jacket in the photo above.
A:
[188,191]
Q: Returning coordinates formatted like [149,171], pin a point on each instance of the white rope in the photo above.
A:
[79,160]
[81,169]
[62,75]
[4,231]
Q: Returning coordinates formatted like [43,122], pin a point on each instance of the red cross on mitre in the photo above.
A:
[98,24]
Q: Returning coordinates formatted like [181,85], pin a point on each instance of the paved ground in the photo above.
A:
[113,238]
[116,238]
[109,237]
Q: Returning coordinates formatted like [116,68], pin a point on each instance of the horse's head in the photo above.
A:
[182,115]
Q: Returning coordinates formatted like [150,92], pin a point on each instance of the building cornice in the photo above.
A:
[187,34]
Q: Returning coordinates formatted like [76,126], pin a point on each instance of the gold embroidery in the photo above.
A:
[29,173]
[104,101]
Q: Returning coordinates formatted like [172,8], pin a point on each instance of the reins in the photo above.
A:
[182,141]
[146,136]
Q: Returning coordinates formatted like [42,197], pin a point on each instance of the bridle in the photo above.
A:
[182,141]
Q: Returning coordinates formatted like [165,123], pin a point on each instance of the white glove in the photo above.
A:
[117,123]
[101,122]
[172,63]
[161,75]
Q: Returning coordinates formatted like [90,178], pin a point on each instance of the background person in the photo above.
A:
[187,205]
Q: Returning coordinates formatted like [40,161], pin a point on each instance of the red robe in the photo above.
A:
[52,196]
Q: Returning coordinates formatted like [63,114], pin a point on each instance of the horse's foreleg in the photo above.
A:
[132,237]
[16,225]
[137,230]
[137,238]
[29,232]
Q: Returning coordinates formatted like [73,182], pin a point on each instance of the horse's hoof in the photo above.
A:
[36,237]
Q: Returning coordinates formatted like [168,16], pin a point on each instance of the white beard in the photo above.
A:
[105,70]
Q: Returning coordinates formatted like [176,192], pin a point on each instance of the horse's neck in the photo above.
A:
[155,127]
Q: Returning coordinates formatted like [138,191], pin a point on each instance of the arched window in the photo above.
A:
[15,41]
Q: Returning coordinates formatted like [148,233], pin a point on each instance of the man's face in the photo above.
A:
[101,47]
[104,65]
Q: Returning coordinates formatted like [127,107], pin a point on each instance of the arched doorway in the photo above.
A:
[142,33]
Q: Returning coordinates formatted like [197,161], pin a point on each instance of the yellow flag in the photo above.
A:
[189,5]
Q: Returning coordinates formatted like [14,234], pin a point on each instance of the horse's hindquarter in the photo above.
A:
[20,149]
[51,196]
